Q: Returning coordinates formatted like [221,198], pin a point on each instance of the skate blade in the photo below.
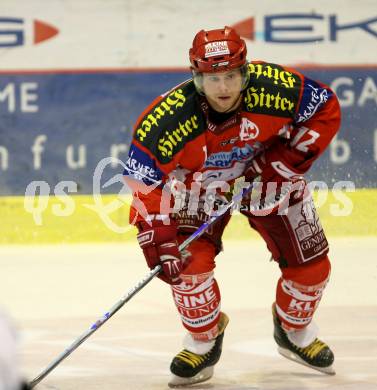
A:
[179,381]
[291,356]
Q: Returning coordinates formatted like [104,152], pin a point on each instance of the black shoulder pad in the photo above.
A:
[171,122]
[272,90]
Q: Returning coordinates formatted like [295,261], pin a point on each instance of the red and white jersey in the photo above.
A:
[179,137]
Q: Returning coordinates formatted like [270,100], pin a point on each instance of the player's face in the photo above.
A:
[223,89]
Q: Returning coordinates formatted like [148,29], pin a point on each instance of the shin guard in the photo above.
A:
[197,299]
[299,292]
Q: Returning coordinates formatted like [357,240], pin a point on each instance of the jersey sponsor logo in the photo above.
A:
[272,90]
[274,73]
[198,308]
[198,299]
[141,167]
[226,159]
[13,32]
[167,107]
[302,306]
[309,232]
[195,318]
[314,243]
[314,97]
[219,48]
[248,130]
[193,218]
[171,139]
[260,101]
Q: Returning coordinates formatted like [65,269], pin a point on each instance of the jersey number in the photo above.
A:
[303,145]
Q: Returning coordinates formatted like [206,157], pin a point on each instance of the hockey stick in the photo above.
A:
[142,283]
[76,343]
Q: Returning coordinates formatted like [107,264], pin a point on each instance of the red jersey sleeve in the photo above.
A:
[159,137]
[316,122]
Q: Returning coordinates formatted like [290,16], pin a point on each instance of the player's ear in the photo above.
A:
[198,80]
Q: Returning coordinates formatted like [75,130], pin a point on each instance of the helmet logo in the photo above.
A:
[217,64]
[218,48]
[248,130]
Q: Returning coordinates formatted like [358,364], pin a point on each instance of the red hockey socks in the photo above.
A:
[299,292]
[198,303]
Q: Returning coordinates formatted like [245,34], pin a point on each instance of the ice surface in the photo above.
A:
[56,292]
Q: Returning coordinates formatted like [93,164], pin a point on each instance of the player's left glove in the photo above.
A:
[279,171]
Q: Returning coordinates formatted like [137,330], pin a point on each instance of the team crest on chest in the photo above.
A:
[248,130]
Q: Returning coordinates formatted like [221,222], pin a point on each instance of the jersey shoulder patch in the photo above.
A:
[272,90]
[171,122]
[314,97]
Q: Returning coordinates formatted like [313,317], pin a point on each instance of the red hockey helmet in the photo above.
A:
[217,50]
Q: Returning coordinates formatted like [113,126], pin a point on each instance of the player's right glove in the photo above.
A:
[160,246]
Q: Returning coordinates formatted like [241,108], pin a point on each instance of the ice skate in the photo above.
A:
[316,355]
[188,367]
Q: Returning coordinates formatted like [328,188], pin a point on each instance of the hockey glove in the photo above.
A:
[160,246]
[279,171]
[277,164]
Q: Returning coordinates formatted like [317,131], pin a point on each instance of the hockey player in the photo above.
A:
[233,118]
